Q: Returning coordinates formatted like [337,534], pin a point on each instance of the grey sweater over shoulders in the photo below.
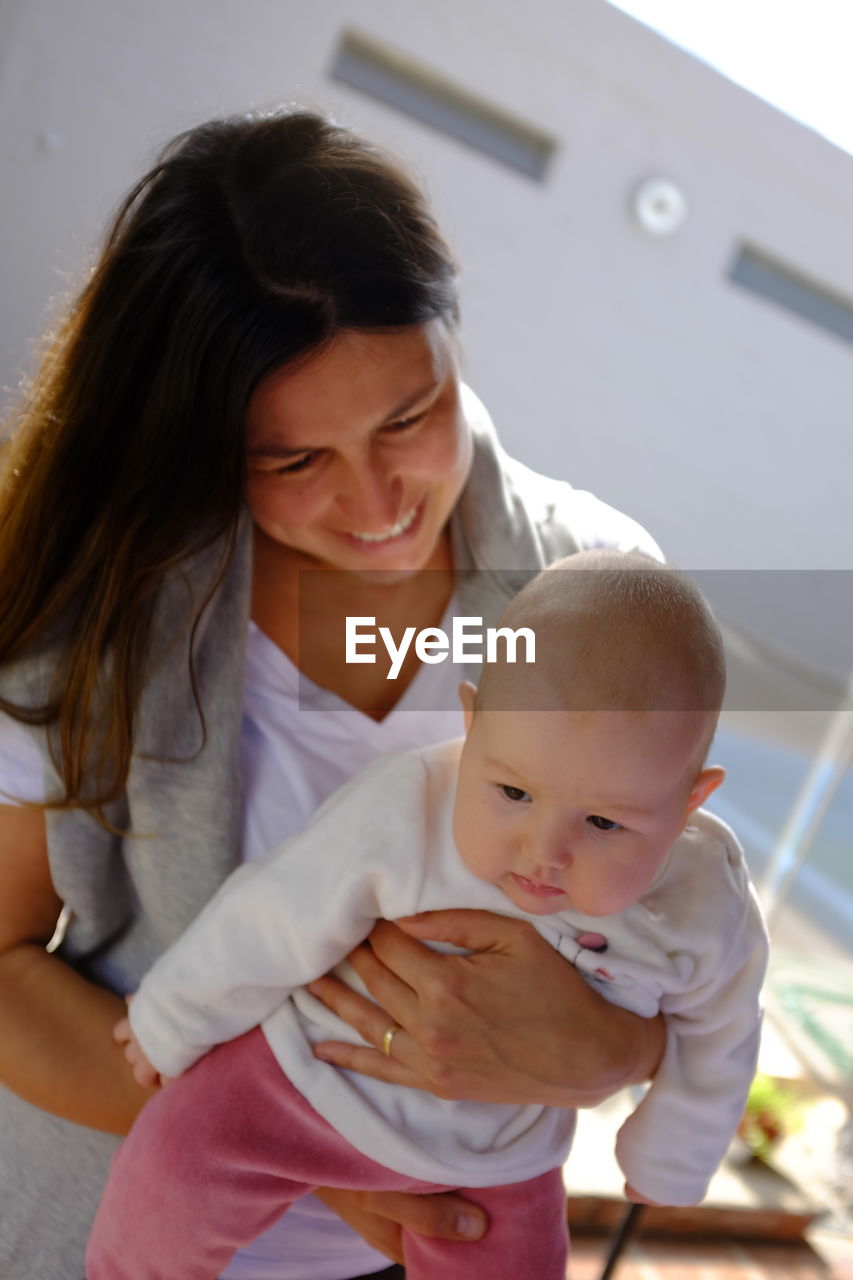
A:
[128,897]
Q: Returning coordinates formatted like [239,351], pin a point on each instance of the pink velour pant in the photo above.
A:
[221,1152]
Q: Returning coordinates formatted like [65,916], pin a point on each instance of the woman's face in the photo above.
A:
[357,457]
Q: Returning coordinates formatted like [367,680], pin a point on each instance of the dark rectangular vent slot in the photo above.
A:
[779,283]
[400,81]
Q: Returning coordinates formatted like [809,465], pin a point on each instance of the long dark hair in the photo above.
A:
[251,243]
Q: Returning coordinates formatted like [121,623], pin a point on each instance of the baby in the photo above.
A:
[574,803]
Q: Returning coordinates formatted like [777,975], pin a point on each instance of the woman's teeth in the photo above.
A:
[394,532]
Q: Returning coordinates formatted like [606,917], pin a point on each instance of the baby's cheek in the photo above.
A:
[629,885]
[485,866]
[609,893]
[468,845]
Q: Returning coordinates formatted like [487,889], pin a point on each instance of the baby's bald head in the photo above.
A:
[580,771]
[614,631]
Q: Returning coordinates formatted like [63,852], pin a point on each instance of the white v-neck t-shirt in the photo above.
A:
[293,757]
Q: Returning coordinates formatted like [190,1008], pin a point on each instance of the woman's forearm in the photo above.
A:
[56,1045]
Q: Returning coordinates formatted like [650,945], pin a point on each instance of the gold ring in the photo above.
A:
[388,1038]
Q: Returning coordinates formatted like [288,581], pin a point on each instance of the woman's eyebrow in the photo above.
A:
[270,449]
[410,400]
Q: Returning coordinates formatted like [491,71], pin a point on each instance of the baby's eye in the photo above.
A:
[603,824]
[515,794]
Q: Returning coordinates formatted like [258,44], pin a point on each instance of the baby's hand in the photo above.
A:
[144,1072]
[636,1196]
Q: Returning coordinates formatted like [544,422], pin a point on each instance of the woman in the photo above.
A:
[259,379]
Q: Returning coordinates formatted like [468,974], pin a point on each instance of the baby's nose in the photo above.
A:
[557,857]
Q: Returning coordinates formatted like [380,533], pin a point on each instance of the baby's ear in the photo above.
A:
[706,782]
[467,696]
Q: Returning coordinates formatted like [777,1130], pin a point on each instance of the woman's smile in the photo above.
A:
[395,531]
[405,529]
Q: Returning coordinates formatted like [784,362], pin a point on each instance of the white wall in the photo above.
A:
[627,364]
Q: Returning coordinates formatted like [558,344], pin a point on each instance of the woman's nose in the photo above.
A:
[370,497]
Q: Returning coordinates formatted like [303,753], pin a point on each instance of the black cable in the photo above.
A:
[623,1235]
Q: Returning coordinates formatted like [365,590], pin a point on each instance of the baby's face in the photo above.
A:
[577,810]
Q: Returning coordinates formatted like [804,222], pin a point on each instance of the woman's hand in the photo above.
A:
[511,1022]
[378,1216]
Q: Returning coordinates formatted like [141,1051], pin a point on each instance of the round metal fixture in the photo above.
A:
[659,206]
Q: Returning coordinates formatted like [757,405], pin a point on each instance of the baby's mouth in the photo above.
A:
[536,887]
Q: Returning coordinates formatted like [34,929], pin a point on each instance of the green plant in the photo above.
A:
[772,1112]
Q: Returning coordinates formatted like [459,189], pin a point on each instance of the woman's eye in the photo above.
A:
[515,794]
[298,464]
[405,424]
[603,824]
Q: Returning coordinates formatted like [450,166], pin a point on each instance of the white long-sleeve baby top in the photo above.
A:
[694,948]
